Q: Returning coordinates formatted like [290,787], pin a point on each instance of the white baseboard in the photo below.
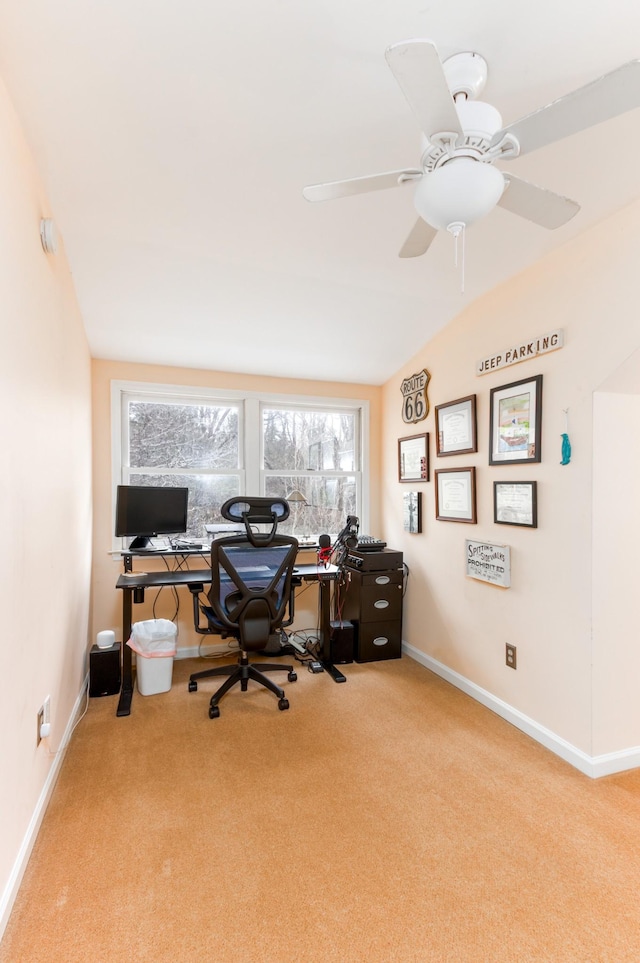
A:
[15,878]
[213,650]
[592,766]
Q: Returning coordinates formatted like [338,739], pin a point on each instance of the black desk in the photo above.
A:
[133,585]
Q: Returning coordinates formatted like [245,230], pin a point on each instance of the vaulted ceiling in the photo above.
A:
[174,140]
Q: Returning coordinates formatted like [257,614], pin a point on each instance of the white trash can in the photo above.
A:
[154,642]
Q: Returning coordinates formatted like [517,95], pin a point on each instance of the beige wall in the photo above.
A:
[107,601]
[45,503]
[588,288]
[616,531]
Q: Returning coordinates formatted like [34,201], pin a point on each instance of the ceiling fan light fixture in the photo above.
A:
[461,191]
[478,119]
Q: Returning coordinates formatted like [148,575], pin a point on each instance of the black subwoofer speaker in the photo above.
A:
[104,670]
[341,642]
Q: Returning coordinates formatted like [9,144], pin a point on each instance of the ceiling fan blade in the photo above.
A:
[417,67]
[359,185]
[600,100]
[537,204]
[419,240]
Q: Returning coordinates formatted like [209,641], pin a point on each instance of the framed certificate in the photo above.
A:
[456,494]
[456,427]
[515,503]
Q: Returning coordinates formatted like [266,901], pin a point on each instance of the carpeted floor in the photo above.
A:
[387,819]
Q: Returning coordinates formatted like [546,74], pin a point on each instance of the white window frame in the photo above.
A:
[251,472]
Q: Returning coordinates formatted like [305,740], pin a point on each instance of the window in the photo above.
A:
[314,455]
[224,443]
[195,444]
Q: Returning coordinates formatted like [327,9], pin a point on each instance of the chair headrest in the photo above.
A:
[256,510]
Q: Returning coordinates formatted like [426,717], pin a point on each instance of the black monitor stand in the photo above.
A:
[142,543]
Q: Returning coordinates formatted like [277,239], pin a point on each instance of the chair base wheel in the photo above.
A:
[283,704]
[292,676]
[214,712]
[193,686]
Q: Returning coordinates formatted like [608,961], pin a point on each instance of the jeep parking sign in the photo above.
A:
[415,404]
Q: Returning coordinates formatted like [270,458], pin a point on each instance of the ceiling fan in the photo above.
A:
[457,182]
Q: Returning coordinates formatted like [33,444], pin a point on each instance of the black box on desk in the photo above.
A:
[104,670]
[341,642]
[385,559]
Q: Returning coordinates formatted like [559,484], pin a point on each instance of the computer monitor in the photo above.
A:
[143,511]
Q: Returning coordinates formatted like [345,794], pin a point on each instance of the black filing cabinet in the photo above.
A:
[373,602]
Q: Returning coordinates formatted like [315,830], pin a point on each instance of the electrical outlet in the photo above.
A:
[511,658]
[44,720]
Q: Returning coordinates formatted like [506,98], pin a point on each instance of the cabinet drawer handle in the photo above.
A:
[380,640]
[381,604]
[383,580]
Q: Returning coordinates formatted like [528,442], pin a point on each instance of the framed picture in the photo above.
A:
[456,494]
[515,503]
[413,458]
[516,422]
[412,512]
[456,427]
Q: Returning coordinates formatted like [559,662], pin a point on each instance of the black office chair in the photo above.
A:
[250,591]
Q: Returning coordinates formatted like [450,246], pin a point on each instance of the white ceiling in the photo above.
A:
[174,138]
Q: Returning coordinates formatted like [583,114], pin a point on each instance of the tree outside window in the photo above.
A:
[191,445]
[221,446]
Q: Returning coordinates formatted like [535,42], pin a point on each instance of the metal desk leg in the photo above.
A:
[126,690]
[325,630]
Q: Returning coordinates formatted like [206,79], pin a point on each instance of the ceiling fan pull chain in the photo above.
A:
[457,228]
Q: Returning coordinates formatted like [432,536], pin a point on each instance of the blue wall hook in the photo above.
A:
[566,444]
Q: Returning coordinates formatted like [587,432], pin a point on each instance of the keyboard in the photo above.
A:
[367,543]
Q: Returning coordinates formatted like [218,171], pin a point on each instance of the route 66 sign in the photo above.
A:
[415,404]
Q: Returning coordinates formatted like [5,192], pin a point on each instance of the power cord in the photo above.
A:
[309,643]
[56,752]
[213,656]
[405,578]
